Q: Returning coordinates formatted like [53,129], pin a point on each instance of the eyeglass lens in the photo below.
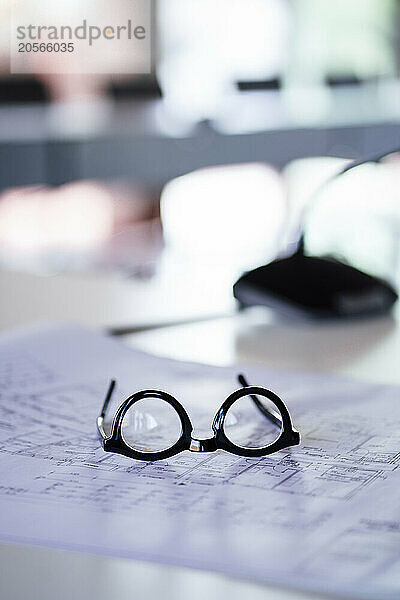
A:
[247,427]
[151,425]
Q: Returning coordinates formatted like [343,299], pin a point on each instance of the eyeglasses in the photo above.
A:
[135,420]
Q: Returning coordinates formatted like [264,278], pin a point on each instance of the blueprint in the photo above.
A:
[322,516]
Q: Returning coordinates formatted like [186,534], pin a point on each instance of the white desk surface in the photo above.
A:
[369,350]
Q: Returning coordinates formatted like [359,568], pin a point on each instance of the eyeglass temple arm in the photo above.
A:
[271,414]
[100,418]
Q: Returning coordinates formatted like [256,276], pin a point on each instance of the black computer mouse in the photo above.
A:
[315,286]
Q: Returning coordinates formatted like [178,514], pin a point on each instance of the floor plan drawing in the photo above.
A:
[324,492]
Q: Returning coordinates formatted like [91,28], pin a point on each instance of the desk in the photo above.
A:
[365,349]
[109,301]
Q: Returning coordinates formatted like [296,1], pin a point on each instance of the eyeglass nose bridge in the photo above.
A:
[205,445]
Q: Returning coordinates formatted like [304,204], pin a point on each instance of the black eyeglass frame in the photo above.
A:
[115,441]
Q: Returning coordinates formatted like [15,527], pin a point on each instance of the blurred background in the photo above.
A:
[138,200]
